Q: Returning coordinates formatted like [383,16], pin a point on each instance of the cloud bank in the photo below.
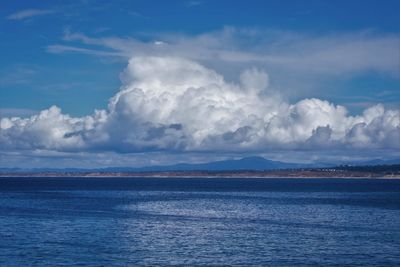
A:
[176,104]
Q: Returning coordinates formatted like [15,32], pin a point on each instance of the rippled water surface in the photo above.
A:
[208,222]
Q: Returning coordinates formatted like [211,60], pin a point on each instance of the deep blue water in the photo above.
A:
[192,222]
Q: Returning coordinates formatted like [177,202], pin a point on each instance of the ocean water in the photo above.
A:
[199,222]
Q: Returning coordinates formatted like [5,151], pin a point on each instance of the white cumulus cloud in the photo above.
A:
[176,104]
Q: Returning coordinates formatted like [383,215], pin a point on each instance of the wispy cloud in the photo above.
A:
[334,54]
[18,74]
[138,15]
[28,13]
[193,3]
[59,49]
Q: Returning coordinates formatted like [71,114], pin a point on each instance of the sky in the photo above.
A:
[135,83]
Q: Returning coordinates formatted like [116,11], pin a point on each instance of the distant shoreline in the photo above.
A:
[287,174]
[212,177]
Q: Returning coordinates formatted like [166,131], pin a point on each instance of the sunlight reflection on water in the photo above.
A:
[170,227]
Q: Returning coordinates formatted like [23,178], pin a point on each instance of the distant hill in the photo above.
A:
[244,164]
[249,163]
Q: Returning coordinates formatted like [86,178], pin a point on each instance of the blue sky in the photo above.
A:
[71,55]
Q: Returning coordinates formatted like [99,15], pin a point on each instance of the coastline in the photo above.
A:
[163,175]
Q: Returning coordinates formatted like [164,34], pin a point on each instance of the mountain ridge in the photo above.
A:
[254,163]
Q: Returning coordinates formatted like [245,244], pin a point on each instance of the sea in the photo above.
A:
[199,222]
